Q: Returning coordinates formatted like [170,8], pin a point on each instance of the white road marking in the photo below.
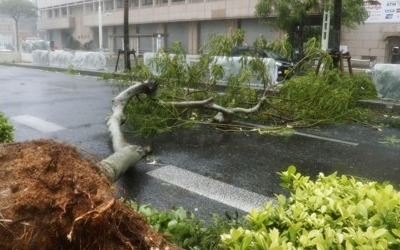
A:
[326,138]
[37,123]
[216,190]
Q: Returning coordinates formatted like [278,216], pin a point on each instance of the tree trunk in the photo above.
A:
[16,35]
[125,155]
[337,23]
[126,35]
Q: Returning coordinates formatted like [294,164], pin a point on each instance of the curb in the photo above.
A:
[390,106]
[57,69]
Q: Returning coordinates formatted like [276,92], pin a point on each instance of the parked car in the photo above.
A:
[285,65]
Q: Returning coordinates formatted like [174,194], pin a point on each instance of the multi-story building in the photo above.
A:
[192,21]
[187,21]
[378,39]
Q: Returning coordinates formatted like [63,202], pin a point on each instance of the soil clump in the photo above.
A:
[51,197]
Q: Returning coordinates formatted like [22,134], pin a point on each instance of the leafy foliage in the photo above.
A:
[17,8]
[180,81]
[6,129]
[331,97]
[331,212]
[183,229]
[304,99]
[293,16]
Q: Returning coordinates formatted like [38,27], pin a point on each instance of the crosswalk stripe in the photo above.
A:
[216,190]
[37,123]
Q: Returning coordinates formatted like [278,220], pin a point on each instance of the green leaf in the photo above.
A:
[396,232]
[379,233]
[292,170]
[362,210]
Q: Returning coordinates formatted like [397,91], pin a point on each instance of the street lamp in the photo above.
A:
[100,27]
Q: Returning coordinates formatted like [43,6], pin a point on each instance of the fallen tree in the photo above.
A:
[125,154]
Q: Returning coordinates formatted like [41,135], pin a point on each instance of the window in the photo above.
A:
[147,2]
[120,4]
[162,2]
[64,11]
[134,3]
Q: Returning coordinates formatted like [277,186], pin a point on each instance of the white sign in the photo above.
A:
[383,11]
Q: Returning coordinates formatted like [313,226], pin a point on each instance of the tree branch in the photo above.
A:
[125,154]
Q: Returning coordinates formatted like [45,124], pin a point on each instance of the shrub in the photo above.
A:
[6,129]
[332,212]
[183,229]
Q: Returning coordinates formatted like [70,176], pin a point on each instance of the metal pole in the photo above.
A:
[126,35]
[325,29]
[100,27]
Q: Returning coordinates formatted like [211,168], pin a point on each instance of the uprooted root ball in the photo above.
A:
[53,198]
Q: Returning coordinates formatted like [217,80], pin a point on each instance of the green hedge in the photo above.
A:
[6,129]
[333,212]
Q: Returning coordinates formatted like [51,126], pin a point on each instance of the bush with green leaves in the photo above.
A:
[332,212]
[185,230]
[6,129]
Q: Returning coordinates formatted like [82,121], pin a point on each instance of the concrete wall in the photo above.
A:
[10,57]
[372,40]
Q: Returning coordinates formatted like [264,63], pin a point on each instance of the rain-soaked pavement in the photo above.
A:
[205,170]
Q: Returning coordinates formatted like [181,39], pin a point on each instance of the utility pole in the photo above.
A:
[126,35]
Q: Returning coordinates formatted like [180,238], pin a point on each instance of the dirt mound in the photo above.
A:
[53,198]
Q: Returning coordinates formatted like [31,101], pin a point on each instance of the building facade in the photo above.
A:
[7,33]
[188,21]
[192,21]
[378,39]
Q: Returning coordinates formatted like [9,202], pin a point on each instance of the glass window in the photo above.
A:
[147,2]
[64,11]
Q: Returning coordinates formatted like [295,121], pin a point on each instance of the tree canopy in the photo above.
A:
[293,15]
[17,9]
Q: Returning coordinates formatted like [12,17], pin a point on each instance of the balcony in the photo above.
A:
[56,23]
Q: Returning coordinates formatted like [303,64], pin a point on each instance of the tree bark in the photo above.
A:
[16,35]
[125,155]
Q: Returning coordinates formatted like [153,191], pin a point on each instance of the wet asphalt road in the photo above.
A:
[238,162]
